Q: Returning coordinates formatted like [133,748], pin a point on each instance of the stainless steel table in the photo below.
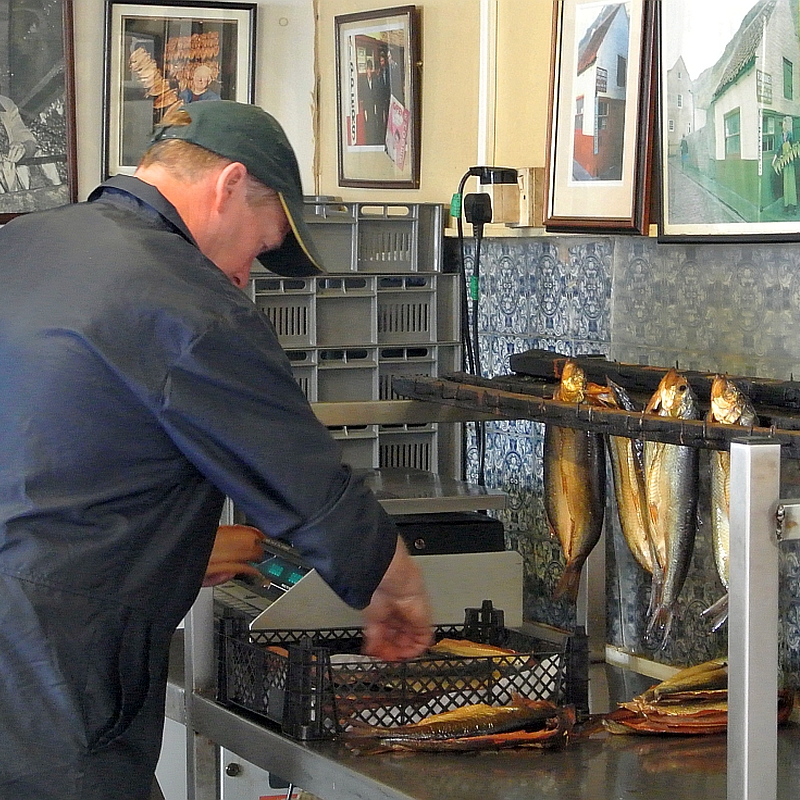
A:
[604,767]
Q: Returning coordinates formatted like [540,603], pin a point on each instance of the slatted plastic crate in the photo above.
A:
[428,360]
[346,310]
[358,443]
[407,309]
[304,369]
[334,231]
[376,237]
[289,303]
[399,237]
[347,374]
[408,446]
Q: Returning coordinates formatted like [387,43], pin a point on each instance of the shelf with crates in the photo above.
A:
[384,308]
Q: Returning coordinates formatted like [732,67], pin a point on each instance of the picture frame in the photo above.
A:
[158,56]
[38,165]
[601,120]
[378,114]
[729,121]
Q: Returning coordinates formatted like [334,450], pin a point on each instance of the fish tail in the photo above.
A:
[659,627]
[568,584]
[717,613]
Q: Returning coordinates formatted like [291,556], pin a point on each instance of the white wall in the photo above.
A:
[293,34]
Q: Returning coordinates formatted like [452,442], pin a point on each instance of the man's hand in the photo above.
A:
[397,622]
[234,547]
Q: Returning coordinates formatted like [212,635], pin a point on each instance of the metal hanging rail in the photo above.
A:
[758,521]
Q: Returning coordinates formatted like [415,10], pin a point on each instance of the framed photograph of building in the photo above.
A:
[600,124]
[160,56]
[377,93]
[730,120]
[38,167]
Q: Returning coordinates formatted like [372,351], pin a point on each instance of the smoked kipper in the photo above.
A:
[671,486]
[574,484]
[729,406]
[524,723]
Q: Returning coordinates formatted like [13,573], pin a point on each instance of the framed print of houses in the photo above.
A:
[730,120]
[601,116]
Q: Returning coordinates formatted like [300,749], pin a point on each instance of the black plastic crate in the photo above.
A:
[313,683]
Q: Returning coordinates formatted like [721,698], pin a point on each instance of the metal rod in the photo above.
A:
[753,621]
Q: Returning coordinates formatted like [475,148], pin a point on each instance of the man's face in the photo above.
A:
[200,80]
[251,229]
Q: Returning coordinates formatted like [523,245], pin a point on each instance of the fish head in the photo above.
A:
[729,404]
[599,395]
[572,387]
[673,397]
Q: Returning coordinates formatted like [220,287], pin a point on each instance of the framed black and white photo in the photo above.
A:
[38,167]
[161,56]
[378,106]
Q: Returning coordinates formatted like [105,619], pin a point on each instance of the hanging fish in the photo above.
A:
[627,467]
[574,484]
[671,488]
[730,406]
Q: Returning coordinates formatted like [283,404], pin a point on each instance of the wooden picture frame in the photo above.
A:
[601,119]
[378,98]
[38,165]
[730,121]
[159,56]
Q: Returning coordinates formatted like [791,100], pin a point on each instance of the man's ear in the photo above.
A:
[230,183]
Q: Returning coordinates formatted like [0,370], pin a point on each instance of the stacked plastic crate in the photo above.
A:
[383,309]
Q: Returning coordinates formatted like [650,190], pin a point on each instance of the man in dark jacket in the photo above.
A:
[139,386]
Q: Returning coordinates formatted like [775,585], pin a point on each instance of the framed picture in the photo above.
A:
[38,168]
[730,120]
[601,119]
[160,56]
[377,93]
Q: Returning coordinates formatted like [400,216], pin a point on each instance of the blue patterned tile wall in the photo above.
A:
[726,308]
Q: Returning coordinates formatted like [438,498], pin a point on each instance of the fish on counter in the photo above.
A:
[574,484]
[524,723]
[729,406]
[671,489]
[693,701]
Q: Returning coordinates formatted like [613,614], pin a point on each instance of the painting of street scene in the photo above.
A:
[730,77]
[600,88]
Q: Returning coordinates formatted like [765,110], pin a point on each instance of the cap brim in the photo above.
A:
[296,257]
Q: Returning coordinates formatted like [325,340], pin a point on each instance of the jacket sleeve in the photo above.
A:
[232,405]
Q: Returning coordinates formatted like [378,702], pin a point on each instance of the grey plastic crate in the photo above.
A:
[407,308]
[347,374]
[334,231]
[359,445]
[409,446]
[346,310]
[289,304]
[304,369]
[399,237]
[406,361]
[448,307]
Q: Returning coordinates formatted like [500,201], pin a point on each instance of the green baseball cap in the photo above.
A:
[249,135]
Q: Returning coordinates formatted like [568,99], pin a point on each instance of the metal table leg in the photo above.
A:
[753,621]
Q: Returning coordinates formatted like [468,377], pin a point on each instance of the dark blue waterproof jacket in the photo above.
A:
[138,387]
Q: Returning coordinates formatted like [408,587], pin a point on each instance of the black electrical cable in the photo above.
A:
[466,341]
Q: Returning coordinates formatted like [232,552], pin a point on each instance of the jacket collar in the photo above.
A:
[144,195]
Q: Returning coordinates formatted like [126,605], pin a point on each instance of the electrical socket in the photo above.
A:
[530,181]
